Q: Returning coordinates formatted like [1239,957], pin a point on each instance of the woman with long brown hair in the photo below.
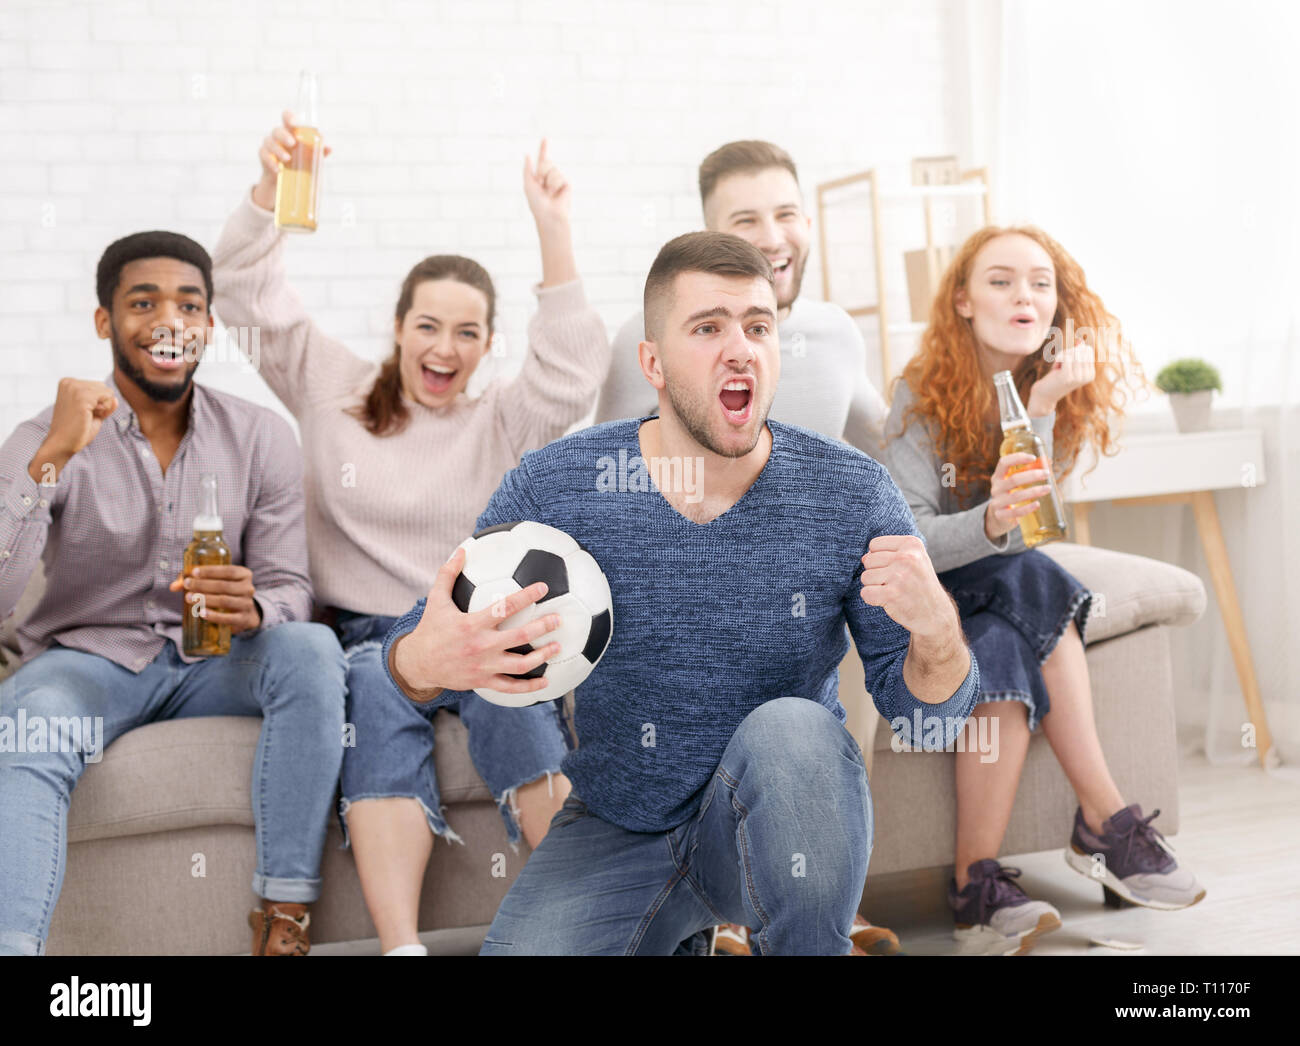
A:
[399,463]
[1014,300]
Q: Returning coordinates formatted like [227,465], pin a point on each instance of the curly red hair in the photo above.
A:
[950,391]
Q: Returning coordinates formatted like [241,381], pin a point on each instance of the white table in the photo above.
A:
[1185,468]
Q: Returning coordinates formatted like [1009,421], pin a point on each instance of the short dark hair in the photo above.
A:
[156,244]
[739,158]
[721,253]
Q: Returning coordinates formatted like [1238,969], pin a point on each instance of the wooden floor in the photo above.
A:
[1240,835]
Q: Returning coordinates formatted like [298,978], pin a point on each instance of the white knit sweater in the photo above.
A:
[385,512]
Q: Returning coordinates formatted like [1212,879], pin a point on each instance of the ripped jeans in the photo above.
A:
[391,754]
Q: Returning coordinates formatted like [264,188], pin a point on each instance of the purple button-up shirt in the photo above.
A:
[112,531]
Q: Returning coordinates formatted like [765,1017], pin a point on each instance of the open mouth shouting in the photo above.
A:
[737,399]
[437,378]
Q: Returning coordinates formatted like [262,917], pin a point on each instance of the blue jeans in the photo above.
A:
[290,675]
[391,752]
[780,844]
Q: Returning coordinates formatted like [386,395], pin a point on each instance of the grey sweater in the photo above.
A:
[823,384]
[954,535]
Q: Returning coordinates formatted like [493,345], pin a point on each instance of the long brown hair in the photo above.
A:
[383,411]
[950,391]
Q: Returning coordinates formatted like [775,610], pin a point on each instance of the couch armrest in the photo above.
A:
[1136,591]
[9,626]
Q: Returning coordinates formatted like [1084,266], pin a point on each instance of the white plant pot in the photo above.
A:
[1191,410]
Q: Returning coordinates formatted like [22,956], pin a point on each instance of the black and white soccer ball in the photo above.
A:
[504,559]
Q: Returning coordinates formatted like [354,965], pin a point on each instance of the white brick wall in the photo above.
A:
[134,114]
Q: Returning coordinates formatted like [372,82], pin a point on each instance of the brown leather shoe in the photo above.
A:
[731,939]
[872,940]
[280,928]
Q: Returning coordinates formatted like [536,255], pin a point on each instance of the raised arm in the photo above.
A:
[252,295]
[31,462]
[568,345]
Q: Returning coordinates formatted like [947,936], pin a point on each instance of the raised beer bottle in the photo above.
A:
[298,186]
[1047,522]
[201,638]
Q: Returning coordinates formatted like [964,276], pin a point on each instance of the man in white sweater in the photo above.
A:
[751,189]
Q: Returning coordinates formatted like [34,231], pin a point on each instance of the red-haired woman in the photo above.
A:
[399,462]
[1007,303]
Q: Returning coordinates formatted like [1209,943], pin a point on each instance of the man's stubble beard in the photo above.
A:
[153,389]
[694,417]
[796,282]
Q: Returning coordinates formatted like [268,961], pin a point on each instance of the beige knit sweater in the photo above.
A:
[384,513]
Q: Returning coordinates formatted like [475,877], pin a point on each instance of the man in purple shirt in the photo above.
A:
[104,487]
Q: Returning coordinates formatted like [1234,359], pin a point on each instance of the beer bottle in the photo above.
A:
[1047,522]
[201,638]
[298,185]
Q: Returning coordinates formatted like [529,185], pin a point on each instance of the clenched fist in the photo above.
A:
[899,578]
[79,412]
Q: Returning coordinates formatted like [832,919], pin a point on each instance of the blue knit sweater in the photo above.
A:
[712,620]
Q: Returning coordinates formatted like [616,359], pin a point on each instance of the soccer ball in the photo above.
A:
[504,559]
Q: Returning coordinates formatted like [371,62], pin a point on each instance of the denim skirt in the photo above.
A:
[1014,609]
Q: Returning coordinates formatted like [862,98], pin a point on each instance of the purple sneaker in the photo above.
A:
[1132,861]
[994,916]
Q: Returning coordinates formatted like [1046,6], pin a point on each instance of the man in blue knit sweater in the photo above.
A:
[714,780]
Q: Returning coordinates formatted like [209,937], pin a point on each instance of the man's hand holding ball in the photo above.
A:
[458,651]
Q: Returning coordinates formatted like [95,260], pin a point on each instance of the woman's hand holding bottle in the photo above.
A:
[273,154]
[1012,493]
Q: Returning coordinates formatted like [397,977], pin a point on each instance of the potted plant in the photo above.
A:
[1189,385]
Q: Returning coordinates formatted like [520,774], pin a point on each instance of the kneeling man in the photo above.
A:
[714,780]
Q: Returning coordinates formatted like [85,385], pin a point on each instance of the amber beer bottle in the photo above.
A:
[201,637]
[298,185]
[1047,522]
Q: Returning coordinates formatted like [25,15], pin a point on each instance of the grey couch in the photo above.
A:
[173,798]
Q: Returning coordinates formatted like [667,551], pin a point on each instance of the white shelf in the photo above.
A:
[920,192]
[1171,463]
[912,194]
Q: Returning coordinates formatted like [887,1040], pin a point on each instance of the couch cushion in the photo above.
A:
[183,773]
[1134,591]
